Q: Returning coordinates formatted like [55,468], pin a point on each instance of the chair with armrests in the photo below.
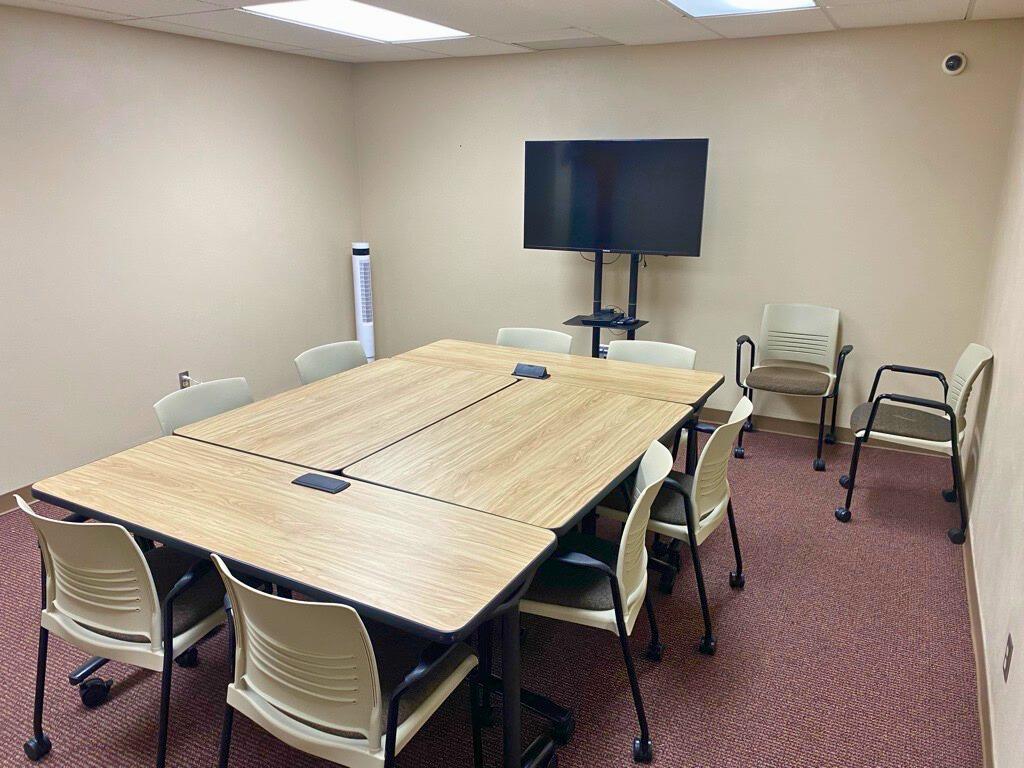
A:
[798,358]
[328,359]
[603,584]
[915,422]
[689,508]
[537,339]
[105,596]
[320,680]
[201,401]
[655,353]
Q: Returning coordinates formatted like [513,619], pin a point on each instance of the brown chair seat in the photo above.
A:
[788,380]
[668,506]
[574,586]
[905,422]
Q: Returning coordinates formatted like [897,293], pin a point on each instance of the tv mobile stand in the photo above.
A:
[597,319]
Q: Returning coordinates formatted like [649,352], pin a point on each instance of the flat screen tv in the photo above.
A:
[643,196]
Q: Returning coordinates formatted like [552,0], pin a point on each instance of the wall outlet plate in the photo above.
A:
[1007,657]
[184,380]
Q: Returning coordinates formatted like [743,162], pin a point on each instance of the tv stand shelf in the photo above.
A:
[613,324]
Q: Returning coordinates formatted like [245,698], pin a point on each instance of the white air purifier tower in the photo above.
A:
[363,295]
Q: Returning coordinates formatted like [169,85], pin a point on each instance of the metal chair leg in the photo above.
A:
[958,535]
[225,736]
[830,438]
[736,578]
[848,482]
[165,690]
[475,698]
[655,648]
[643,749]
[484,647]
[819,463]
[39,745]
[707,642]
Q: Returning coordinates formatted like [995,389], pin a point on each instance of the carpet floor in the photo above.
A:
[850,646]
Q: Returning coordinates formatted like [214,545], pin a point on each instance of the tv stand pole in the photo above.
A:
[595,333]
[596,321]
[634,278]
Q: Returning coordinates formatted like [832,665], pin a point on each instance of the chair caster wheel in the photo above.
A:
[748,426]
[844,481]
[189,658]
[655,651]
[819,465]
[737,580]
[738,452]
[707,645]
[830,439]
[949,495]
[38,748]
[563,731]
[843,515]
[643,751]
[94,691]
[956,535]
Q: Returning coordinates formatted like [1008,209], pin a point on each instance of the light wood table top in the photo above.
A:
[435,567]
[651,381]
[336,421]
[539,452]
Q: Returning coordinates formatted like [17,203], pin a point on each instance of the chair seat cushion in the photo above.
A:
[788,381]
[668,506]
[903,421]
[195,604]
[397,655]
[574,586]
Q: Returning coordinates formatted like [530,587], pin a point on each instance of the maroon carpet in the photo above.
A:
[850,646]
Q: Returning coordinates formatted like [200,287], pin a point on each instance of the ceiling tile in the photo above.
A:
[494,19]
[997,9]
[469,46]
[560,45]
[894,12]
[148,8]
[764,24]
[69,10]
[390,52]
[560,33]
[168,25]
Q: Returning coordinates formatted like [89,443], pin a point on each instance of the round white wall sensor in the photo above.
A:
[954,63]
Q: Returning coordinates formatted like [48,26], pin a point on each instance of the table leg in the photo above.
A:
[513,737]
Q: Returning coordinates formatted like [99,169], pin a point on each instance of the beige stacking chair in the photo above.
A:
[602,584]
[920,423]
[314,677]
[201,401]
[689,509]
[537,339]
[328,359]
[106,597]
[798,358]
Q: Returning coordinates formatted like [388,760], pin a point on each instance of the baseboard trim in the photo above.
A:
[980,657]
[7,502]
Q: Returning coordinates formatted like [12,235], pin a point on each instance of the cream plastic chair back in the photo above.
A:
[537,339]
[631,567]
[710,492]
[313,663]
[970,365]
[97,579]
[799,333]
[652,353]
[201,401]
[328,359]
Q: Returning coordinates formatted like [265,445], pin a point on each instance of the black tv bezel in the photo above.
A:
[593,249]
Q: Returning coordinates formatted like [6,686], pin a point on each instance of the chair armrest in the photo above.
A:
[583,561]
[739,356]
[190,577]
[668,482]
[910,370]
[840,363]
[922,402]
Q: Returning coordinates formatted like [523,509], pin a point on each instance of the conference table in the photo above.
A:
[461,477]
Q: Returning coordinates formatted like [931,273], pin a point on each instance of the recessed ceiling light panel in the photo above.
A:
[733,7]
[348,17]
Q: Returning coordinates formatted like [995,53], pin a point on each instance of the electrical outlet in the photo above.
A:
[184,380]
[1007,657]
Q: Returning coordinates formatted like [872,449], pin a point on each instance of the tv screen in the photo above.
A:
[644,196]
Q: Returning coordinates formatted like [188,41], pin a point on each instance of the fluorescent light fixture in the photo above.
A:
[347,17]
[733,7]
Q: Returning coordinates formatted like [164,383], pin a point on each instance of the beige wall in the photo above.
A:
[845,169]
[997,505]
[165,203]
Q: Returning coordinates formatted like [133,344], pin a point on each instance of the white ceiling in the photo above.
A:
[515,26]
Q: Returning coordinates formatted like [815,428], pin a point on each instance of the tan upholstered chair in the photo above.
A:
[323,682]
[603,584]
[201,401]
[106,597]
[689,509]
[920,423]
[537,339]
[328,359]
[798,358]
